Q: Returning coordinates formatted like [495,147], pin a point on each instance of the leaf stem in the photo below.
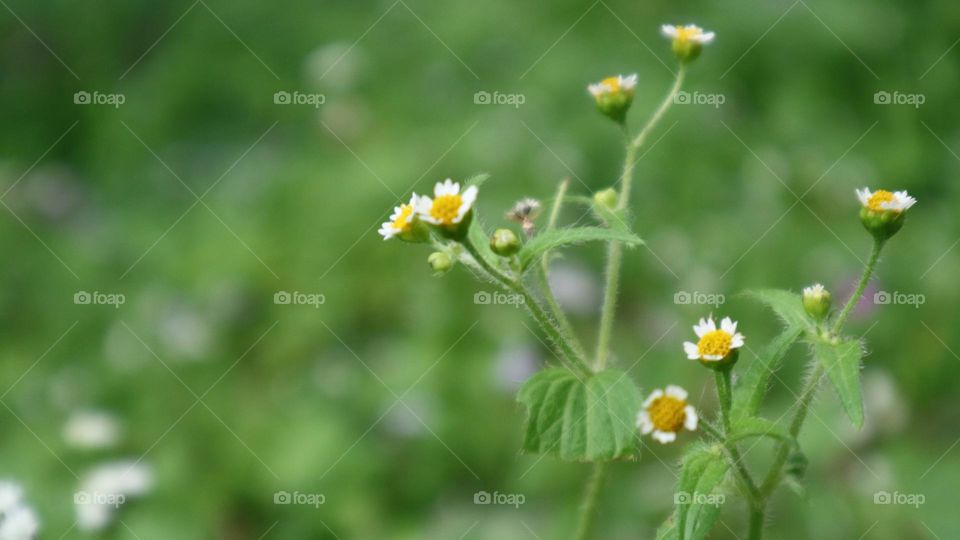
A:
[615,249]
[590,497]
[861,286]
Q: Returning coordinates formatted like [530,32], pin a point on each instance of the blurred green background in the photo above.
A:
[200,198]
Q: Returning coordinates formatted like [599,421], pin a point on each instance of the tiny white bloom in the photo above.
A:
[882,200]
[715,343]
[613,85]
[689,33]
[401,220]
[20,523]
[449,205]
[106,488]
[10,495]
[816,289]
[665,412]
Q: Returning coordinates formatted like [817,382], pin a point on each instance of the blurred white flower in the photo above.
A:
[17,521]
[104,489]
[91,430]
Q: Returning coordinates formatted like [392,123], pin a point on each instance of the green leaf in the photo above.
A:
[758,427]
[482,242]
[704,468]
[611,218]
[547,240]
[750,389]
[841,361]
[476,180]
[580,419]
[787,305]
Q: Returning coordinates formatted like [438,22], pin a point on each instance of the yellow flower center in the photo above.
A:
[612,83]
[715,343]
[667,413]
[445,208]
[685,34]
[402,223]
[877,199]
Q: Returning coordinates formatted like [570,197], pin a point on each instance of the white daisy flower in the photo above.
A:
[690,33]
[401,221]
[714,344]
[449,205]
[665,413]
[614,85]
[881,200]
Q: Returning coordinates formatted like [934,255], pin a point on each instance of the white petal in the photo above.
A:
[669,30]
[387,231]
[712,357]
[690,418]
[737,341]
[706,38]
[675,391]
[704,326]
[728,326]
[644,422]
[864,195]
[664,437]
[655,395]
[693,353]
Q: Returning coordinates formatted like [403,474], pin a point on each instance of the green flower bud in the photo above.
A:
[504,242]
[614,95]
[440,262]
[688,41]
[883,212]
[816,301]
[606,198]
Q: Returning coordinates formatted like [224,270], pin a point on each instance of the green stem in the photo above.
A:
[533,307]
[864,280]
[615,249]
[555,309]
[756,522]
[724,395]
[810,388]
[590,497]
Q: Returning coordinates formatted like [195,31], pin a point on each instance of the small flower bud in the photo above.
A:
[883,212]
[606,198]
[688,41]
[504,242]
[816,301]
[440,262]
[614,95]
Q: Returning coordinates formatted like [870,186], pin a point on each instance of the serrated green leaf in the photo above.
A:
[555,238]
[752,386]
[703,469]
[787,305]
[842,363]
[757,427]
[615,219]
[580,418]
[668,529]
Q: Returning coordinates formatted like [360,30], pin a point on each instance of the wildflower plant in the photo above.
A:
[583,410]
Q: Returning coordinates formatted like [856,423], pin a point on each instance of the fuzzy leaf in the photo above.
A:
[842,364]
[554,238]
[704,468]
[580,419]
[476,180]
[752,386]
[787,305]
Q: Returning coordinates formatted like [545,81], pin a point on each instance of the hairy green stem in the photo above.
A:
[807,394]
[544,274]
[590,497]
[615,249]
[756,522]
[725,396]
[548,325]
